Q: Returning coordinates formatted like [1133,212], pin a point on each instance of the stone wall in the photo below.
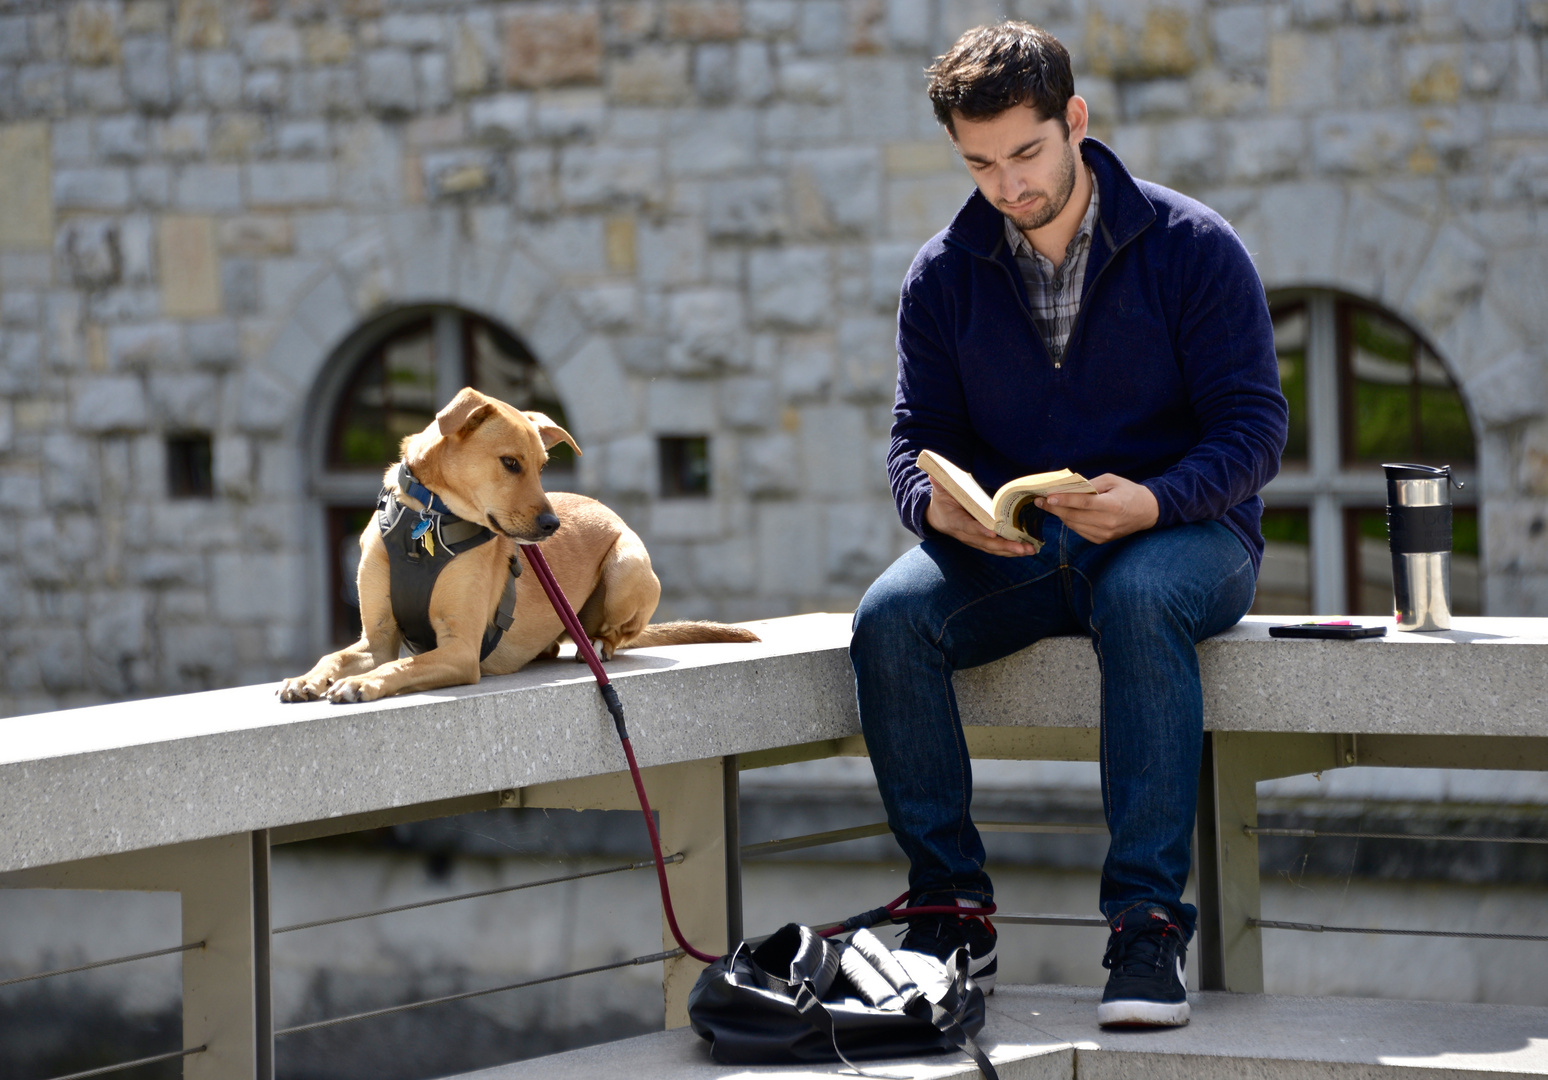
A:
[696,213]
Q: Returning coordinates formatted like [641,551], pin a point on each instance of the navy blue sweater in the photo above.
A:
[1169,377]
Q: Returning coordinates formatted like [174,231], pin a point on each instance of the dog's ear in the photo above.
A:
[551,432]
[465,412]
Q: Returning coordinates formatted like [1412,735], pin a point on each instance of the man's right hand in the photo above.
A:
[946,516]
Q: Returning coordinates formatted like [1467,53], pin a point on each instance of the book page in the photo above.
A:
[960,485]
[1009,497]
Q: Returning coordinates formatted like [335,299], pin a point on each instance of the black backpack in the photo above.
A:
[799,997]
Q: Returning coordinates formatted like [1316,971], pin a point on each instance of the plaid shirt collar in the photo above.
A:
[1079,246]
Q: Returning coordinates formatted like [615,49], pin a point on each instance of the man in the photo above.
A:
[1070,316]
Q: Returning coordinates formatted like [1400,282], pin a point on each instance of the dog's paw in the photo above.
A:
[355,689]
[301,689]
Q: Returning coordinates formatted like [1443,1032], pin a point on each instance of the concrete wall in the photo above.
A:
[696,213]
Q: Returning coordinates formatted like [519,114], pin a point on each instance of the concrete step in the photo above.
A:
[1050,1033]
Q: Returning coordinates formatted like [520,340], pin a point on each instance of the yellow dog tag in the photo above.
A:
[430,542]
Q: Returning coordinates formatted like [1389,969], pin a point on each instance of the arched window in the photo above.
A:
[1364,388]
[386,382]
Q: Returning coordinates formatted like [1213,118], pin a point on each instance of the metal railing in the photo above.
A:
[755,851]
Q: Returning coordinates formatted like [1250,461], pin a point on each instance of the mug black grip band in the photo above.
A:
[1415,530]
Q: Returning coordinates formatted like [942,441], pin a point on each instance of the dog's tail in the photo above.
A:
[688,633]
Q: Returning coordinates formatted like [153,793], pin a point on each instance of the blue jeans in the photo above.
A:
[1145,601]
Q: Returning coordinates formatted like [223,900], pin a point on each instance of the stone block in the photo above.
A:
[148,71]
[715,72]
[922,158]
[289,183]
[122,138]
[70,472]
[1512,389]
[501,118]
[109,404]
[91,189]
[213,343]
[273,42]
[334,91]
[549,46]
[1451,278]
[815,80]
[788,124]
[190,278]
[200,24]
[1381,11]
[185,402]
[1363,143]
[92,32]
[303,138]
[1487,18]
[1151,98]
[836,190]
[434,81]
[859,543]
[747,208]
[709,142]
[1268,148]
[823,26]
[1367,66]
[183,135]
[600,398]
[1302,71]
[70,141]
[253,585]
[1240,34]
[413,30]
[882,101]
[1381,247]
[143,346]
[1143,41]
[370,164]
[1317,12]
[790,556]
[1432,74]
[208,187]
[389,81]
[1517,282]
[220,79]
[701,20]
[26,212]
[755,80]
[728,566]
[670,254]
[628,465]
[650,75]
[770,18]
[750,402]
[918,207]
[604,176]
[327,43]
[681,406]
[570,113]
[867,360]
[706,331]
[264,88]
[609,306]
[13,38]
[790,287]
[23,367]
[40,89]
[1298,237]
[152,185]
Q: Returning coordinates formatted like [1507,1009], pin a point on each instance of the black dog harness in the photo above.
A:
[422,543]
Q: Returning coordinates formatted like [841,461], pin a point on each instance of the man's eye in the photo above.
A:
[511,464]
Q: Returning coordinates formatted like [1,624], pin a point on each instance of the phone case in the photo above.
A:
[1334,633]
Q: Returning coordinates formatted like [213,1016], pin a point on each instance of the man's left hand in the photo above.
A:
[1119,507]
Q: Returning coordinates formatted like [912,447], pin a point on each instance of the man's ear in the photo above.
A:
[551,433]
[1078,117]
[464,413]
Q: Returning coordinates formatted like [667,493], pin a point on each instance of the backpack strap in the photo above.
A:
[815,1013]
[947,1025]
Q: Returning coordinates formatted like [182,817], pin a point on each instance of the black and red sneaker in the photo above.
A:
[942,935]
[1145,955]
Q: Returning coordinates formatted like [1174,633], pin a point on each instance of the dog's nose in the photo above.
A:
[548,522]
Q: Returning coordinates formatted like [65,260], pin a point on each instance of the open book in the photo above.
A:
[1002,512]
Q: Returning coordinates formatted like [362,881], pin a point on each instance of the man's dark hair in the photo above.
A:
[994,68]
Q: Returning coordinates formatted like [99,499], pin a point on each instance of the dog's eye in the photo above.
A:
[511,465]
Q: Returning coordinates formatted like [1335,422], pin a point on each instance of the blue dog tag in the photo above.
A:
[420,529]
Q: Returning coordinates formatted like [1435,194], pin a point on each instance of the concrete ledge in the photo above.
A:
[86,782]
[1050,1033]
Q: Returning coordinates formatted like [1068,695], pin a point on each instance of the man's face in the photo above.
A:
[1023,164]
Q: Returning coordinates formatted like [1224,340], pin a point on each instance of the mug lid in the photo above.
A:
[1401,471]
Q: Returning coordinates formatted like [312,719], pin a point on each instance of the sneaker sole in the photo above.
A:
[1142,1013]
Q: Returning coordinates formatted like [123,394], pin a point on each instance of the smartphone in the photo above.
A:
[1336,631]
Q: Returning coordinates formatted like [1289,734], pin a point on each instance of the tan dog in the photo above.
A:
[483,458]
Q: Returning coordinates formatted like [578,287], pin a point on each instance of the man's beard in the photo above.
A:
[1052,205]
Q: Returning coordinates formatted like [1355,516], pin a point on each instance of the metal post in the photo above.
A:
[731,787]
[263,979]
[1206,852]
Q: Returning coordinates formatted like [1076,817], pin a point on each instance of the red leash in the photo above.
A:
[891,913]
[566,613]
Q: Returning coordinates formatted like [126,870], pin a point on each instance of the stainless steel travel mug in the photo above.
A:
[1419,534]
